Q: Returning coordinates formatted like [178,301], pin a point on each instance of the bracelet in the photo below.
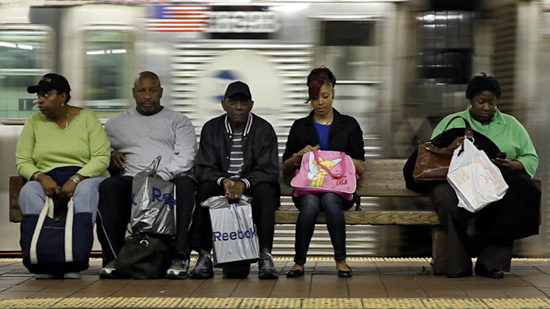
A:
[75,179]
[35,176]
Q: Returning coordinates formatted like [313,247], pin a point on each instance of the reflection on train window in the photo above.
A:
[108,59]
[25,55]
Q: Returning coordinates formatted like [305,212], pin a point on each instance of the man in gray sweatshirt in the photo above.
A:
[137,137]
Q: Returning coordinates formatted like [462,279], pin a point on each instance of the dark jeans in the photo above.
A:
[265,201]
[310,205]
[115,204]
[460,246]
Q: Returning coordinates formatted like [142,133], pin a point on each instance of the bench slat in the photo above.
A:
[376,217]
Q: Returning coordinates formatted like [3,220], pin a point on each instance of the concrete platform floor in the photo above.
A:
[376,283]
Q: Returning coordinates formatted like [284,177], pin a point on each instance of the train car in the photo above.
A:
[390,77]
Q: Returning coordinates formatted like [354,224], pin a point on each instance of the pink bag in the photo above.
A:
[325,171]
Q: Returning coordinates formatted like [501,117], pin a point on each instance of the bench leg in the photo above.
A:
[438,250]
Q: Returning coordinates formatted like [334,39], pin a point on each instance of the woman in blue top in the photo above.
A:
[326,129]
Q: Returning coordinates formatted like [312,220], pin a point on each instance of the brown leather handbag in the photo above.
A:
[433,162]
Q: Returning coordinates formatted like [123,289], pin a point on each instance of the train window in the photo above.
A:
[108,62]
[25,55]
[348,33]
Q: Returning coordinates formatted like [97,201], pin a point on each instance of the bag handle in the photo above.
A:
[36,234]
[69,231]
[342,159]
[468,132]
[47,210]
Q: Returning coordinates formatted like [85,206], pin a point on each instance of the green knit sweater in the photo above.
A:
[43,146]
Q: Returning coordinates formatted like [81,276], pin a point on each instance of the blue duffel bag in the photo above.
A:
[54,243]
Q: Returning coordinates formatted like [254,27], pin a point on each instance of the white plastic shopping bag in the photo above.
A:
[475,179]
[233,231]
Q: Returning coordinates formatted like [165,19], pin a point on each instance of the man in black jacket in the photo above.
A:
[238,155]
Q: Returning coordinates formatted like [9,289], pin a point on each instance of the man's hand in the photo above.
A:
[117,160]
[233,189]
[50,186]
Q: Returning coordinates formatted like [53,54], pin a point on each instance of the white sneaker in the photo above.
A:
[44,276]
[109,271]
[178,269]
[72,275]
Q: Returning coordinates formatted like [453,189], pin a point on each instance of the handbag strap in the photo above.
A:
[342,159]
[48,206]
[468,133]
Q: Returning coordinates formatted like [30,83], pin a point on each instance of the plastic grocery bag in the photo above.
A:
[153,203]
[475,179]
[233,231]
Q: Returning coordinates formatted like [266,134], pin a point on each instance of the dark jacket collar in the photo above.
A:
[247,126]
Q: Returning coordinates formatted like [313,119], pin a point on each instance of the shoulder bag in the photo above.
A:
[432,163]
[325,171]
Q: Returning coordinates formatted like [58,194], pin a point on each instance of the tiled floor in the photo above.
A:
[377,283]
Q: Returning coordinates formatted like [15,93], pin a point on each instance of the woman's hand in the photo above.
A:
[297,157]
[68,188]
[292,163]
[50,186]
[511,164]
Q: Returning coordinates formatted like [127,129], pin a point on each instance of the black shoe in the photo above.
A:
[462,274]
[203,269]
[295,273]
[489,272]
[345,273]
[267,268]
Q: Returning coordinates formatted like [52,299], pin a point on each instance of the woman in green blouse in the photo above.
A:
[493,243]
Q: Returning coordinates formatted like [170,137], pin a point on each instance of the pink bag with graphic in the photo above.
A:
[325,171]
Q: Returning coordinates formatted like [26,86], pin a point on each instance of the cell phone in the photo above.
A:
[501,155]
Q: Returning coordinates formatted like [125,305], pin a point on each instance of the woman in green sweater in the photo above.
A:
[499,224]
[63,151]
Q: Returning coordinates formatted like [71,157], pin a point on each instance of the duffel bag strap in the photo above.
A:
[48,207]
[69,231]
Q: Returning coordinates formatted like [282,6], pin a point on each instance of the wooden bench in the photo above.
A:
[382,178]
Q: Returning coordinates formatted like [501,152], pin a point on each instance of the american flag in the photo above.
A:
[178,18]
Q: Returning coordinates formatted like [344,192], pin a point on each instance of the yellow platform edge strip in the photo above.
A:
[349,258]
[249,303]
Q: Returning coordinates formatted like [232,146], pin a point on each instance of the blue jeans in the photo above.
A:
[310,205]
[85,198]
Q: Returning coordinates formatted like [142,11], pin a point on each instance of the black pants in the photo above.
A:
[310,205]
[265,201]
[460,246]
[114,210]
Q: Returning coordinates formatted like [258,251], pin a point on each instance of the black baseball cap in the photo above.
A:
[237,87]
[51,81]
